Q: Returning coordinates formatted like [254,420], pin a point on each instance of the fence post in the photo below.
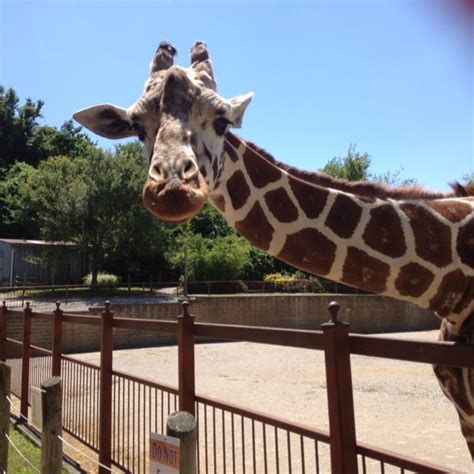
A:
[105,425]
[186,360]
[25,362]
[3,332]
[51,444]
[182,425]
[57,340]
[340,396]
[5,394]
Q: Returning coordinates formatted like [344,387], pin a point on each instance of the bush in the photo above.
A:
[103,279]
[278,282]
[278,277]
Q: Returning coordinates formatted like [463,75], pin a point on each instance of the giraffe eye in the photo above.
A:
[220,125]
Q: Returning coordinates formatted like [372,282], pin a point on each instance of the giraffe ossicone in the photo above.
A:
[407,243]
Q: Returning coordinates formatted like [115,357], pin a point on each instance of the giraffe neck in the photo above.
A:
[399,248]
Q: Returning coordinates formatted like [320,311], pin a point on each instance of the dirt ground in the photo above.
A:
[398,405]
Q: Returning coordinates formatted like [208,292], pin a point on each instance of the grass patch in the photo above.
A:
[31,452]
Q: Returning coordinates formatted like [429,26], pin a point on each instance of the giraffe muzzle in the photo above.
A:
[173,200]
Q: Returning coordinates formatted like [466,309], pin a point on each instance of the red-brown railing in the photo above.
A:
[113,412]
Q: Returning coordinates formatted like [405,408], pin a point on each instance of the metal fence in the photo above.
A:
[113,412]
[17,296]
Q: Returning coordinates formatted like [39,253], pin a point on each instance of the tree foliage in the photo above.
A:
[55,184]
[353,167]
[93,201]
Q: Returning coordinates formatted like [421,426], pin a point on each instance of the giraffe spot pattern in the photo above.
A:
[230,151]
[309,250]
[454,294]
[384,232]
[281,206]
[432,237]
[238,189]
[260,172]
[413,280]
[233,140]
[465,243]
[454,211]
[363,271]
[311,199]
[344,216]
[452,379]
[256,228]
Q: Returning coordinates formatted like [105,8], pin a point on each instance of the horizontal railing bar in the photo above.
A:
[297,428]
[146,324]
[81,319]
[400,460]
[143,381]
[264,335]
[14,312]
[82,440]
[442,353]
[36,315]
[40,349]
[14,341]
[80,362]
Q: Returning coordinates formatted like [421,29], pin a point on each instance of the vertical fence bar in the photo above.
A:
[186,360]
[105,426]
[3,333]
[57,340]
[25,365]
[340,397]
[5,394]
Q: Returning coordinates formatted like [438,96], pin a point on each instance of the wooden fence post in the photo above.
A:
[3,332]
[182,425]
[186,384]
[57,340]
[25,362]
[51,444]
[5,394]
[105,425]
[340,397]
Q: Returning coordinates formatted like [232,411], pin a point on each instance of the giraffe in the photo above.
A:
[404,242]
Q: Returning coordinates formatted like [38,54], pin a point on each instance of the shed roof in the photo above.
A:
[37,242]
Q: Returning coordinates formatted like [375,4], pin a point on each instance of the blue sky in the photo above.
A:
[394,77]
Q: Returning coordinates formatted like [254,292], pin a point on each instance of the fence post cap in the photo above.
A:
[27,305]
[50,382]
[58,304]
[333,308]
[181,422]
[185,306]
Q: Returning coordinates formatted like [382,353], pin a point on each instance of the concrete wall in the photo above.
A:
[366,314]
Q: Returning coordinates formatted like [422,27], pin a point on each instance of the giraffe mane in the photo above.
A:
[364,188]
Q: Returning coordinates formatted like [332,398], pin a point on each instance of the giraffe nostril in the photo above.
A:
[189,169]
[157,172]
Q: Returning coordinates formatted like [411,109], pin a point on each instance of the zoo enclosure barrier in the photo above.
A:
[113,412]
[17,296]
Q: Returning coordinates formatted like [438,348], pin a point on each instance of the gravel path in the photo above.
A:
[398,405]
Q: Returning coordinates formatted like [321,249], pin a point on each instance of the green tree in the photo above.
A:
[353,167]
[22,138]
[93,201]
[222,258]
[17,125]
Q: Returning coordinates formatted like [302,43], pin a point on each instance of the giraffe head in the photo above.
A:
[182,122]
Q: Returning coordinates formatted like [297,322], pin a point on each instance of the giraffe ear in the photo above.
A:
[239,104]
[106,120]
